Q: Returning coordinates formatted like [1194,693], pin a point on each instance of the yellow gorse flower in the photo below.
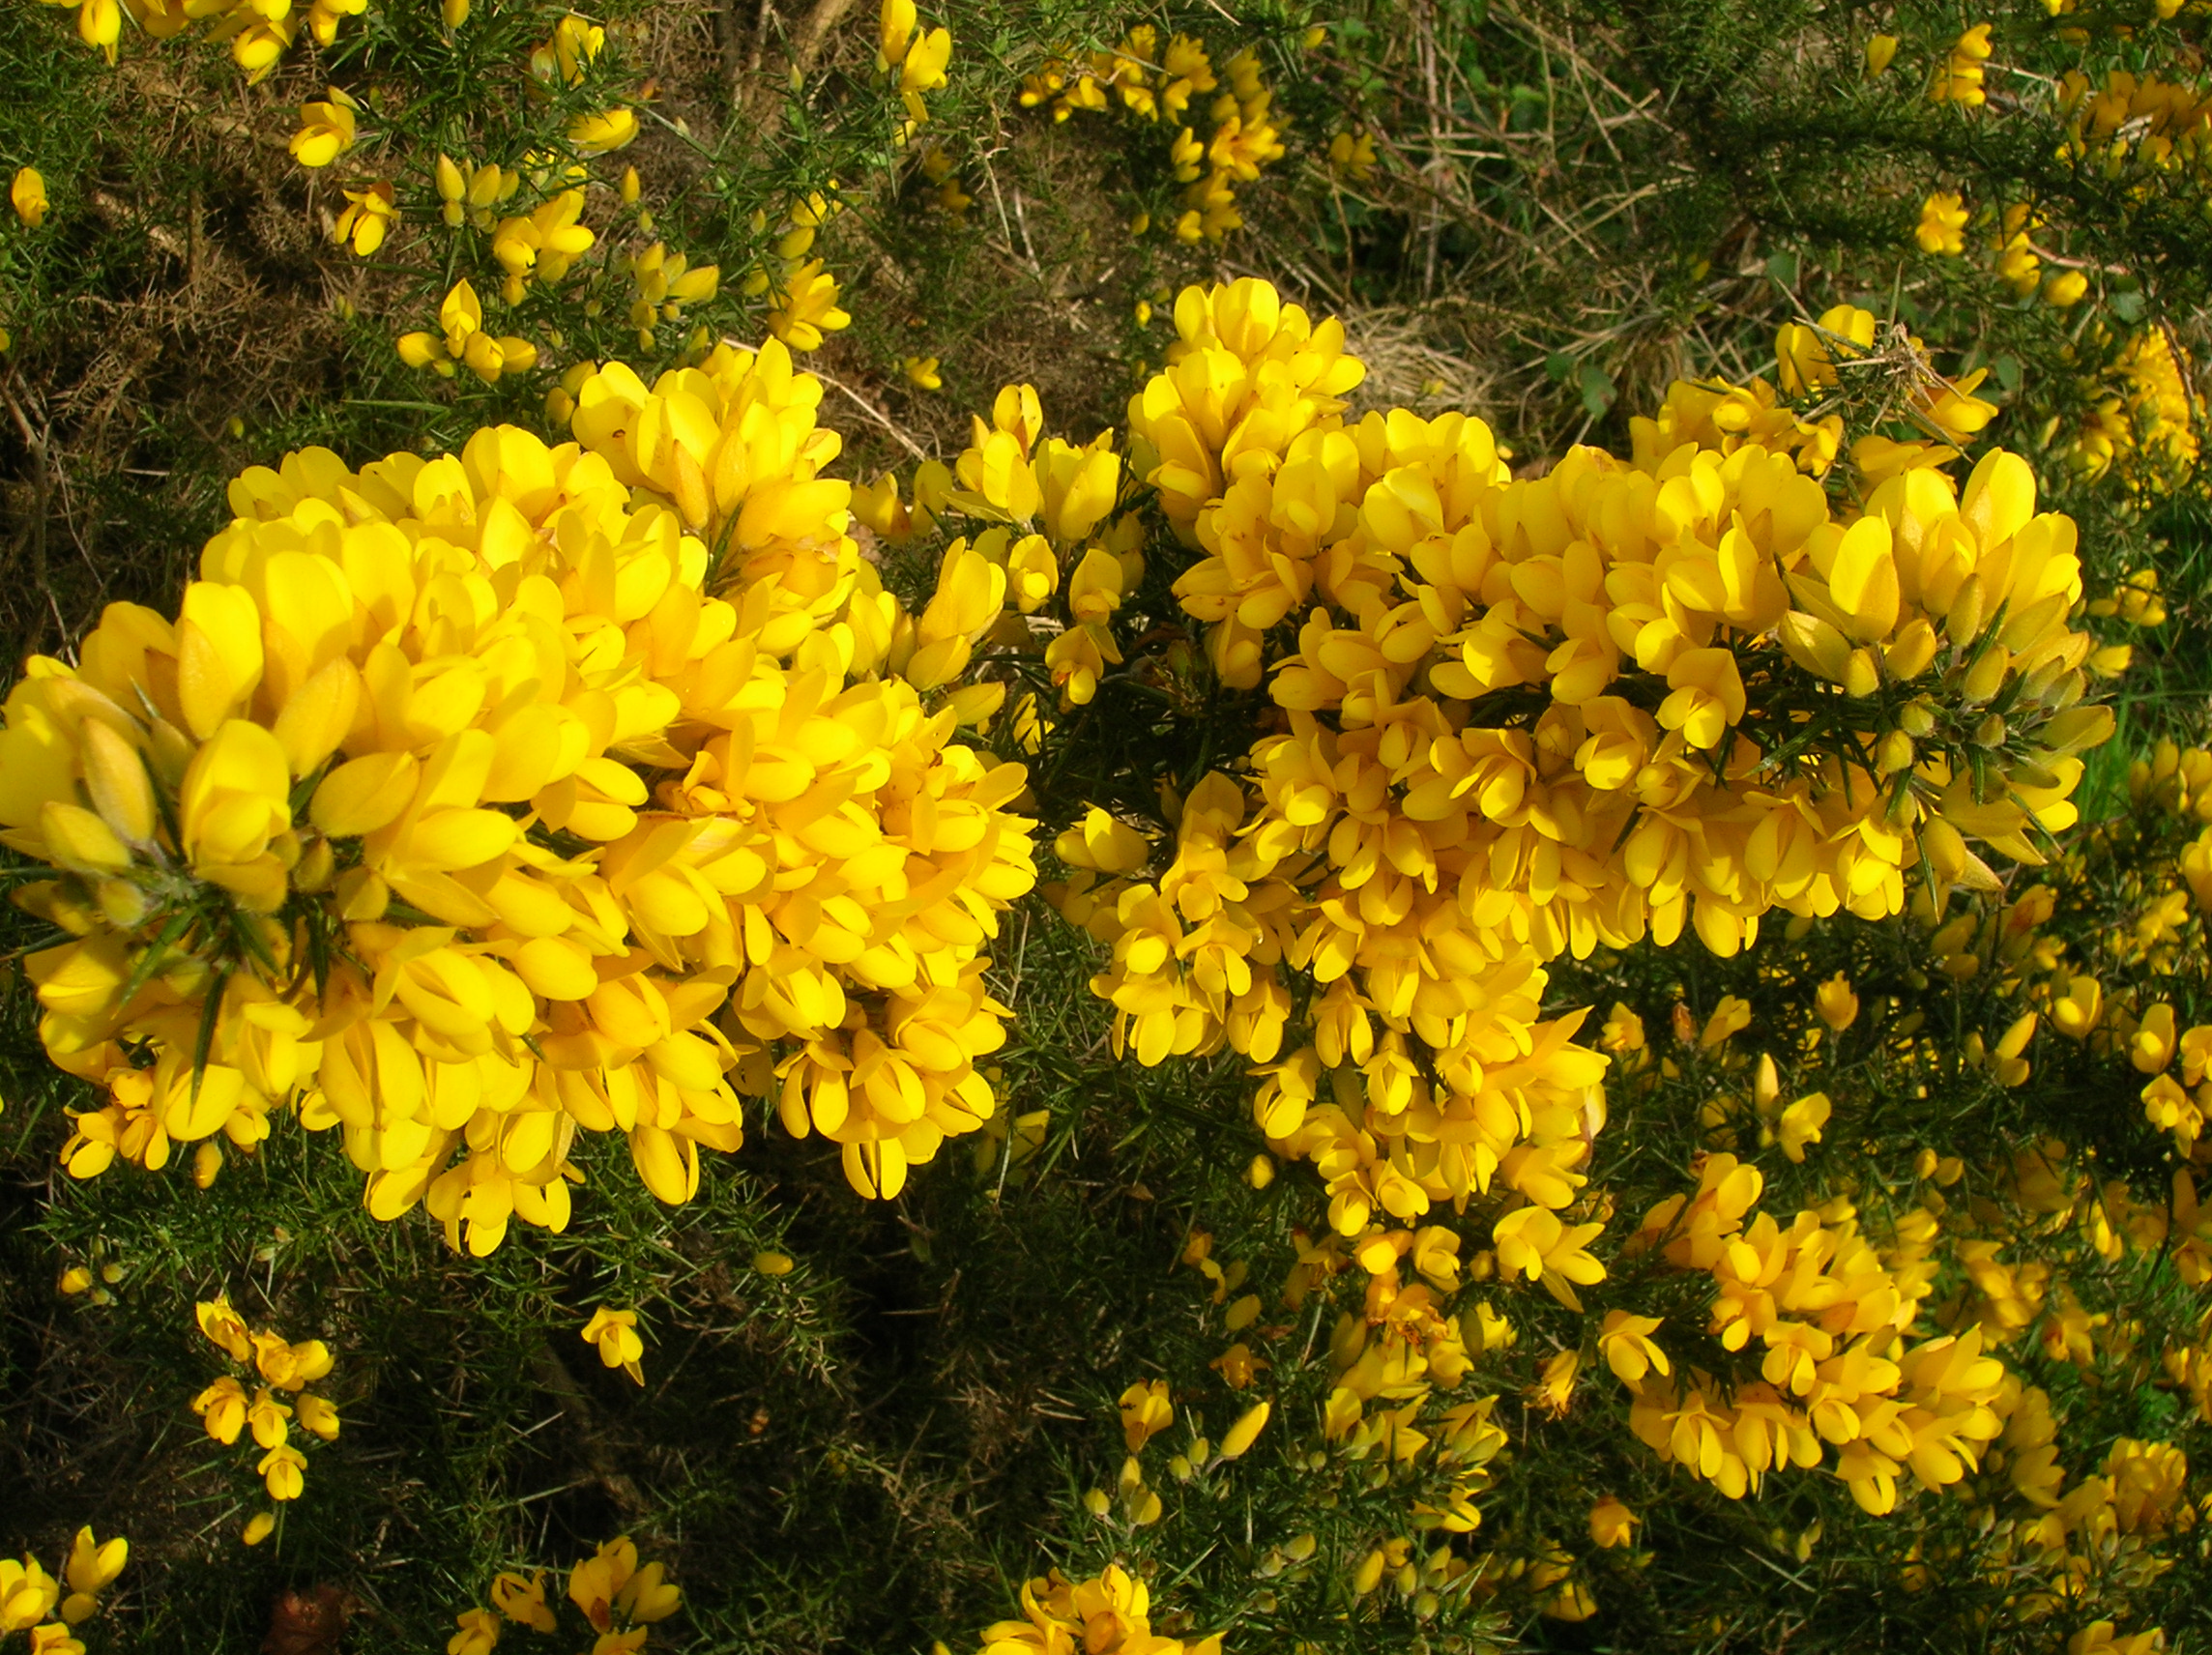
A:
[615,1333]
[369,214]
[326,130]
[27,195]
[1942,224]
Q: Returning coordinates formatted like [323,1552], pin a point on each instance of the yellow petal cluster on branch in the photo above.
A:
[472,803]
[1831,1312]
[283,1368]
[619,1600]
[1157,84]
[258,30]
[28,1594]
[1525,717]
[1109,1614]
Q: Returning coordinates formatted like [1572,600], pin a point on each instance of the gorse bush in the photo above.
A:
[1407,952]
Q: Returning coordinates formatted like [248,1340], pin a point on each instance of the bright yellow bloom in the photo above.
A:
[921,373]
[1625,1342]
[615,1333]
[28,196]
[283,1472]
[1942,224]
[1146,1412]
[522,1600]
[2066,289]
[92,1568]
[806,307]
[605,131]
[477,1632]
[1612,1524]
[326,130]
[567,55]
[369,213]
[1239,1439]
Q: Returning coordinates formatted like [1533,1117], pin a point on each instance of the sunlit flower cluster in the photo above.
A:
[1813,361]
[30,1598]
[472,803]
[1109,1614]
[463,342]
[258,30]
[619,1599]
[1959,79]
[1156,81]
[913,58]
[2135,124]
[1831,1312]
[1528,717]
[2143,419]
[276,1368]
[802,295]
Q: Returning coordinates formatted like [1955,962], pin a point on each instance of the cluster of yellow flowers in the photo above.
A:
[463,342]
[914,58]
[1942,227]
[619,1600]
[1157,83]
[1959,79]
[1942,230]
[1519,718]
[1811,359]
[802,292]
[2143,419]
[258,30]
[666,282]
[280,1366]
[1498,682]
[2054,1543]
[1831,1312]
[1247,136]
[463,793]
[1153,83]
[541,244]
[2135,124]
[29,1596]
[1109,1614]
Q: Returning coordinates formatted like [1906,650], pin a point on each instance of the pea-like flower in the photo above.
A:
[615,1333]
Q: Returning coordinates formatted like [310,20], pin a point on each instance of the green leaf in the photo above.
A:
[1597,389]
